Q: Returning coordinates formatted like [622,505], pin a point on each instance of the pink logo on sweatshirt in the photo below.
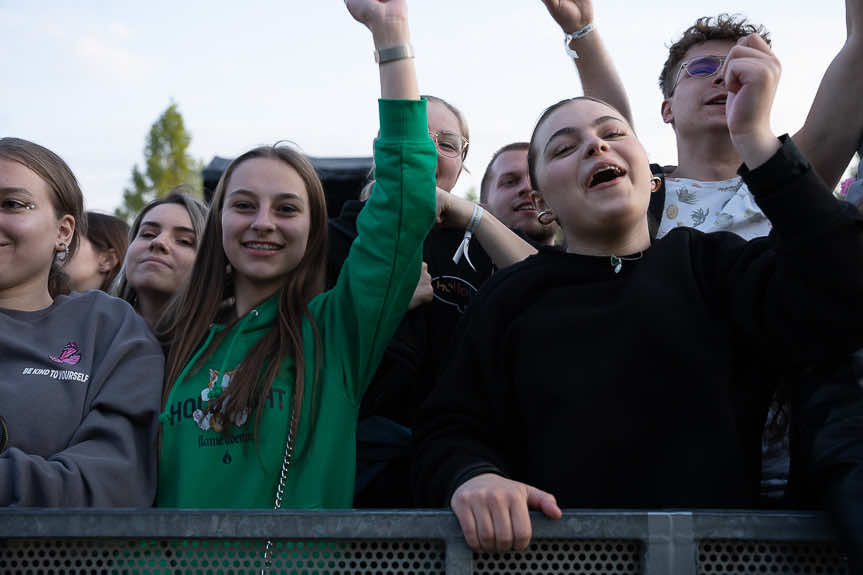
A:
[69,356]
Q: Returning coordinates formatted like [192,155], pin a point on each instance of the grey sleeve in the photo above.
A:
[110,460]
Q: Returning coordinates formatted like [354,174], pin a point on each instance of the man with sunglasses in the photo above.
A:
[703,190]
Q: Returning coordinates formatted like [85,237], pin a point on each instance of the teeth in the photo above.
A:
[256,246]
[613,169]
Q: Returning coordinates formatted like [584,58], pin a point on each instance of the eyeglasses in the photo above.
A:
[449,144]
[700,67]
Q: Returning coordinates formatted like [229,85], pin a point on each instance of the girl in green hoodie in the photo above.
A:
[265,373]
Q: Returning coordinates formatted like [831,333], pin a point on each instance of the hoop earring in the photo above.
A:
[655,183]
[546,217]
[62,256]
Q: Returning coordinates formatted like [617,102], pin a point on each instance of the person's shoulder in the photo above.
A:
[97,307]
[96,299]
[660,170]
[692,236]
[542,267]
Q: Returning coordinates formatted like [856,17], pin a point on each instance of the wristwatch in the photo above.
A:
[392,53]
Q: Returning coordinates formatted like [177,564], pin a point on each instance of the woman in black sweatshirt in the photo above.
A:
[621,373]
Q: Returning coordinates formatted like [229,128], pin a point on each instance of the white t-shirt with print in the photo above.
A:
[727,205]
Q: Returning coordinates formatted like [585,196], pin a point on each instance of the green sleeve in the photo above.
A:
[362,311]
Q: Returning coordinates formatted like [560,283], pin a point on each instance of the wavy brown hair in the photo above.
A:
[66,196]
[187,320]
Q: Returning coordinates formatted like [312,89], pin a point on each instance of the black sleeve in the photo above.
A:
[460,431]
[800,289]
[829,420]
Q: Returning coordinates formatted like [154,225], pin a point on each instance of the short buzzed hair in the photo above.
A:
[724,27]
[486,177]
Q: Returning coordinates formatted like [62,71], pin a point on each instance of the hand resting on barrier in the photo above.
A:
[493,511]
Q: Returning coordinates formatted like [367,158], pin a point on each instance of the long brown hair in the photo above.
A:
[108,232]
[66,196]
[188,317]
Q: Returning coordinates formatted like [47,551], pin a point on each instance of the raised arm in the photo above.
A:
[598,75]
[834,127]
[799,289]
[380,274]
[388,22]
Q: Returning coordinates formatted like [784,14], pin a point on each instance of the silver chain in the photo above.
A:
[280,488]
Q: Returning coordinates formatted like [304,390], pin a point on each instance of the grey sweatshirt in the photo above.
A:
[80,393]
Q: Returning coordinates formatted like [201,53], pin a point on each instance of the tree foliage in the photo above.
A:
[471,194]
[167,164]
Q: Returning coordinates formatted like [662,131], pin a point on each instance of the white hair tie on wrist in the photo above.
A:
[468,233]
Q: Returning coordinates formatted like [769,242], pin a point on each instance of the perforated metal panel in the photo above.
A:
[217,557]
[581,557]
[730,556]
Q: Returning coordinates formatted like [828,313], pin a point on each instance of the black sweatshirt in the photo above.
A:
[641,388]
[410,364]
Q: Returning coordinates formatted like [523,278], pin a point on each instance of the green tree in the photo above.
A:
[167,164]
[471,194]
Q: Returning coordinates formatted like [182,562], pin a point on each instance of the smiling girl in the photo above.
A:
[80,391]
[262,395]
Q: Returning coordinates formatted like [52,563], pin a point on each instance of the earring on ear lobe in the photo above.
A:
[63,255]
[655,183]
[546,217]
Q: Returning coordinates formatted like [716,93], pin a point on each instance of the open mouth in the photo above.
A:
[604,174]
[717,100]
[262,246]
[524,207]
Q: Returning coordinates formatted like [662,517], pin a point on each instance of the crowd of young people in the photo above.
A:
[311,362]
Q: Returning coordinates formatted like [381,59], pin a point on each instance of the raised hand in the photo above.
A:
[387,19]
[571,15]
[751,75]
[388,22]
[493,511]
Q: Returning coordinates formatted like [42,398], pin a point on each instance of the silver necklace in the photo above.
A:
[617,261]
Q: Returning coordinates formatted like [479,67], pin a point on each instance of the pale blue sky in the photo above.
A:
[87,78]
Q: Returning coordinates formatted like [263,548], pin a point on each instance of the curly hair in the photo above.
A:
[723,27]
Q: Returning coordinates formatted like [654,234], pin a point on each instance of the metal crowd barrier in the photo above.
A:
[162,542]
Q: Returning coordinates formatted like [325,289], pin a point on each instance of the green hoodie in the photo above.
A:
[201,468]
